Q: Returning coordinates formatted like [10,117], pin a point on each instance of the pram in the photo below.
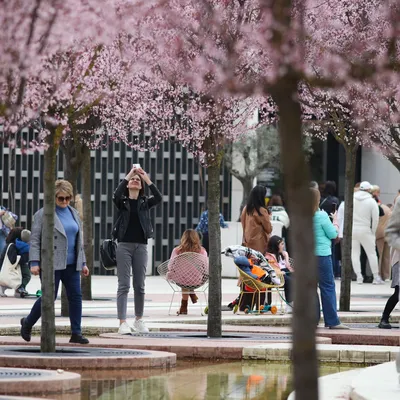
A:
[254,285]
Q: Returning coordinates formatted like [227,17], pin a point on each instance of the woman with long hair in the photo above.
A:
[324,232]
[255,221]
[190,243]
[279,258]
[132,230]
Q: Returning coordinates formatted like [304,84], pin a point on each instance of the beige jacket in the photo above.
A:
[380,230]
[392,234]
[256,229]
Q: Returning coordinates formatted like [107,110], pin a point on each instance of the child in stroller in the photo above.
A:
[254,264]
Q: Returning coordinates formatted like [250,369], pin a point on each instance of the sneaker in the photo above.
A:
[124,329]
[289,308]
[340,326]
[140,327]
[360,280]
[3,291]
[78,338]
[26,330]
[384,324]
[378,280]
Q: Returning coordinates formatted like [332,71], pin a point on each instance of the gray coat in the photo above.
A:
[60,241]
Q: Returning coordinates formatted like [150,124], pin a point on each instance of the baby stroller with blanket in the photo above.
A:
[257,277]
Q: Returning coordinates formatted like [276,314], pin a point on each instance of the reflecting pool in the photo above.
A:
[196,381]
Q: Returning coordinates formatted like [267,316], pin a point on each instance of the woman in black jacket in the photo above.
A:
[132,230]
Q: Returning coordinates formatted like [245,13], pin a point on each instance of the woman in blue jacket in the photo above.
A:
[324,232]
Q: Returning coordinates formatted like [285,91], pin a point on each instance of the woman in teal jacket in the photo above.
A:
[324,232]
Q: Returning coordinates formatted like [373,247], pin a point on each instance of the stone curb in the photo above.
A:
[362,355]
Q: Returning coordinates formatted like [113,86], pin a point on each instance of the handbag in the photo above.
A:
[10,274]
[108,254]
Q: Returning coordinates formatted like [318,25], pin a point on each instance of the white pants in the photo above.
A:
[366,239]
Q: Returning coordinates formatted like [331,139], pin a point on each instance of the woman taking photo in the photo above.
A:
[256,221]
[132,230]
[69,261]
[324,232]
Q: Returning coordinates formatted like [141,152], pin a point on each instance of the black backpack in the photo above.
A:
[108,251]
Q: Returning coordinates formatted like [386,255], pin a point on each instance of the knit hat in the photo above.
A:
[365,186]
[26,235]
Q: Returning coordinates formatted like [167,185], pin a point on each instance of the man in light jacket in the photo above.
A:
[365,223]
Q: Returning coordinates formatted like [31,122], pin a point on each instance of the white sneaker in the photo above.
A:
[289,308]
[360,280]
[3,291]
[140,327]
[378,280]
[124,329]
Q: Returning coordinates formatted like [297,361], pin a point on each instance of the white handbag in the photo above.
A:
[10,274]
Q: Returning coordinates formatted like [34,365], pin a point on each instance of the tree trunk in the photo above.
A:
[87,224]
[345,284]
[48,330]
[296,177]
[214,321]
[247,183]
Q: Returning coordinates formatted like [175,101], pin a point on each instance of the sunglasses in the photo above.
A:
[62,198]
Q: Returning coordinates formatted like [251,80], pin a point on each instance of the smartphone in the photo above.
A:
[137,166]
[334,207]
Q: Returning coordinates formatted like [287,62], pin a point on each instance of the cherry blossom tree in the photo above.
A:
[269,48]
[334,113]
[44,46]
[257,150]
[203,122]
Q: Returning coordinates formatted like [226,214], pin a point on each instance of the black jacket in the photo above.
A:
[144,205]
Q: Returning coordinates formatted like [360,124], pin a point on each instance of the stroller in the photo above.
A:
[257,277]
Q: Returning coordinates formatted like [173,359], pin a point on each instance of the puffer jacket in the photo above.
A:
[145,203]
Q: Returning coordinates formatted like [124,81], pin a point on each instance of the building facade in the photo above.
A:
[177,174]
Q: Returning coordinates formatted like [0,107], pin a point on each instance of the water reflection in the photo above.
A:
[249,381]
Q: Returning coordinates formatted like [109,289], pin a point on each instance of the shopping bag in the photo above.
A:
[10,274]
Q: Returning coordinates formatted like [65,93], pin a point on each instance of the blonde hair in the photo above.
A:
[375,188]
[315,198]
[190,242]
[65,187]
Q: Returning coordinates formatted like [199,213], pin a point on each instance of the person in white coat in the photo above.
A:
[365,222]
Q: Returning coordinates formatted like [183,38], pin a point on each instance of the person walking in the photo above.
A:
[255,221]
[69,260]
[365,223]
[324,232]
[392,235]
[202,228]
[132,230]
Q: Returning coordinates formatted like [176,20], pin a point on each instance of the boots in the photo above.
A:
[384,324]
[194,298]
[183,309]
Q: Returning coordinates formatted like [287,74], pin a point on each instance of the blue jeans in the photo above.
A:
[327,288]
[70,277]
